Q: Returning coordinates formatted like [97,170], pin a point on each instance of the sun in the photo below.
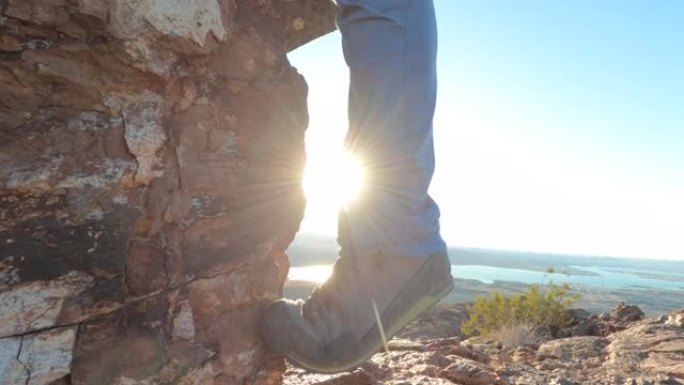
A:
[332,180]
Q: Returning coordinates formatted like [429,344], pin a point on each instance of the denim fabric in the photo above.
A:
[390,47]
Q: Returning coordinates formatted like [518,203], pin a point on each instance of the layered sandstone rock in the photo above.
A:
[150,161]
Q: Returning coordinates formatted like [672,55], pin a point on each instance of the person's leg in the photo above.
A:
[393,263]
[390,47]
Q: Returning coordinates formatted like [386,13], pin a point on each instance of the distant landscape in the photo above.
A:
[656,286]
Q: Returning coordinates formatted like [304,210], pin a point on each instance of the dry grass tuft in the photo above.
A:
[520,334]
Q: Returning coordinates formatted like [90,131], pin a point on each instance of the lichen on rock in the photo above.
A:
[151,154]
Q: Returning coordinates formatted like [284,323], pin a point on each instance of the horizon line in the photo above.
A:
[528,251]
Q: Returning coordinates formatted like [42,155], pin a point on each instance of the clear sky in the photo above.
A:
[559,126]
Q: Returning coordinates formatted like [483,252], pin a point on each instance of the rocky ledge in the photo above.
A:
[619,347]
[151,154]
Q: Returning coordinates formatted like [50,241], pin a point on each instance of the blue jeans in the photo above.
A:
[390,47]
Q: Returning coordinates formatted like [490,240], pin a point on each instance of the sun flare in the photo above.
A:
[333,179]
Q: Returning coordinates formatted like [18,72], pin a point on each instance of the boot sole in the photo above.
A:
[393,318]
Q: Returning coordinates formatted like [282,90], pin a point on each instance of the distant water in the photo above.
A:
[604,277]
[611,278]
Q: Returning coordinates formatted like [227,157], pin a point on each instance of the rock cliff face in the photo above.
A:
[150,161]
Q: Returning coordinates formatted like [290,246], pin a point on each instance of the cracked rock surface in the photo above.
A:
[150,162]
[629,350]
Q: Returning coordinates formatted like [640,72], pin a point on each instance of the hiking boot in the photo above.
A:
[356,311]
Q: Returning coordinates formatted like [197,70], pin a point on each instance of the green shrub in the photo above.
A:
[543,306]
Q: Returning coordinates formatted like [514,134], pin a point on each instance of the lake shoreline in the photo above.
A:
[655,285]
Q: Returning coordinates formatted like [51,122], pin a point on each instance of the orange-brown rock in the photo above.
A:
[642,351]
[150,162]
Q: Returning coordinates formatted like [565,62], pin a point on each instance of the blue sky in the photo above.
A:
[559,125]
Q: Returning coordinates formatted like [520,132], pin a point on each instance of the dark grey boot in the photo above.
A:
[337,327]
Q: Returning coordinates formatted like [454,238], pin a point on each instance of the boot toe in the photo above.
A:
[277,323]
[287,332]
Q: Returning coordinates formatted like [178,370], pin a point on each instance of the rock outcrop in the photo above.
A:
[151,153]
[606,323]
[638,352]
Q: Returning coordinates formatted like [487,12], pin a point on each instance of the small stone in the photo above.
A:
[623,313]
[676,319]
[298,24]
[469,372]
